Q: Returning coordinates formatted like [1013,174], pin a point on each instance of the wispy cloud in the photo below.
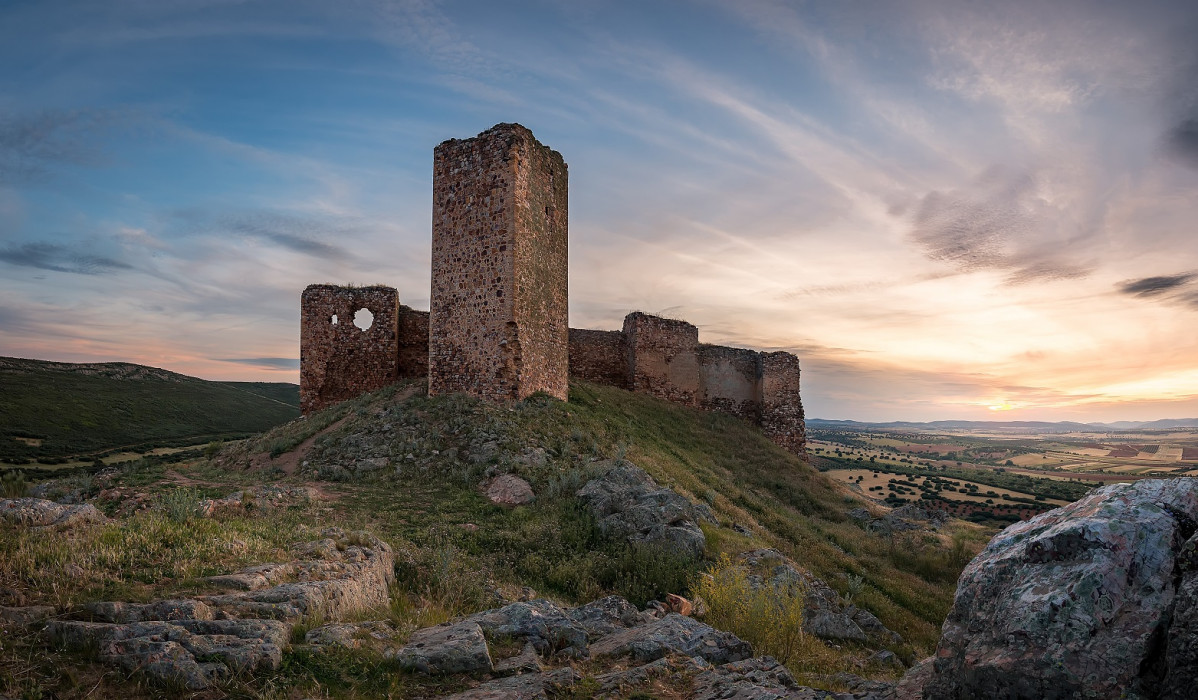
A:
[1155,286]
[50,256]
[279,363]
[33,144]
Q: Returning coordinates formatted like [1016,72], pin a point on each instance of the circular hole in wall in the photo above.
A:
[363,319]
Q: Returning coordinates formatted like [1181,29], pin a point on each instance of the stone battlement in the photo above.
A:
[498,324]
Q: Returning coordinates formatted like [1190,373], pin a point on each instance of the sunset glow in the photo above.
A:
[946,209]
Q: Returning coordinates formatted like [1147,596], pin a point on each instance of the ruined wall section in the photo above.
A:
[338,360]
[662,358]
[599,356]
[731,381]
[782,416]
[485,336]
[413,343]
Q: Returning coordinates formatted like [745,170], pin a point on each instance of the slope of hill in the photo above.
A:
[55,409]
[412,469]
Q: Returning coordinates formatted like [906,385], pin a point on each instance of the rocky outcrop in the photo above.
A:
[271,496]
[42,514]
[606,615]
[204,641]
[757,679]
[449,648]
[628,503]
[379,635]
[1094,599]
[673,634]
[346,573]
[25,615]
[195,653]
[538,622]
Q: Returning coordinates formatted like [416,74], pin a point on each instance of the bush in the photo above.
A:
[770,618]
[13,484]
[180,504]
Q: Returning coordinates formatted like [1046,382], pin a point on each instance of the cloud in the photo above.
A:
[1183,141]
[48,256]
[1155,286]
[296,231]
[280,363]
[32,144]
[1000,221]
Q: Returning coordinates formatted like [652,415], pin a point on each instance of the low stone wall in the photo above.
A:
[599,356]
[339,360]
[730,381]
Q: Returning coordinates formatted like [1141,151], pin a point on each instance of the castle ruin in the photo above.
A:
[498,327]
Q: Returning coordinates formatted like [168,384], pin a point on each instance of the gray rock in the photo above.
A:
[137,612]
[508,490]
[25,616]
[539,622]
[42,514]
[665,667]
[755,679]
[195,653]
[628,503]
[456,648]
[377,634]
[673,634]
[606,615]
[1074,602]
[529,686]
[1181,656]
[911,685]
[353,576]
[527,661]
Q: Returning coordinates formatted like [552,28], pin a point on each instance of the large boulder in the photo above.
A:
[448,648]
[673,634]
[538,622]
[1090,600]
[628,503]
[606,615]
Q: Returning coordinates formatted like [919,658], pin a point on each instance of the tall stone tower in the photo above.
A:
[498,323]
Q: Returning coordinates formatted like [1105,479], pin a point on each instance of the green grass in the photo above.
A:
[84,409]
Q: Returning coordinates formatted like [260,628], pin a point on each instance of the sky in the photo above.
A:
[971,210]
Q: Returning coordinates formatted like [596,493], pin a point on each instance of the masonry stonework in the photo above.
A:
[661,357]
[731,381]
[599,356]
[498,323]
[782,416]
[498,328]
[413,343]
[339,360]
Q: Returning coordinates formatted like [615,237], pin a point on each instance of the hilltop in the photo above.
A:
[55,412]
[413,471]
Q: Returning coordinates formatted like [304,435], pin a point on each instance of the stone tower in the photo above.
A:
[498,323]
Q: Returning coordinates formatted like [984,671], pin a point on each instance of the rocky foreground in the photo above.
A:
[1092,600]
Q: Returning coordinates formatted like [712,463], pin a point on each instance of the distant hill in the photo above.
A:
[58,409]
[1038,426]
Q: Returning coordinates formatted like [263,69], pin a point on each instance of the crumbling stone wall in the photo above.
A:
[661,357]
[599,356]
[338,360]
[782,416]
[731,381]
[498,323]
[413,343]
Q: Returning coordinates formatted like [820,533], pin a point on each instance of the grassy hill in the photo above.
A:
[53,410]
[408,468]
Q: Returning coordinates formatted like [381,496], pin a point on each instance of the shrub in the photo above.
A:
[13,484]
[770,618]
[180,504]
